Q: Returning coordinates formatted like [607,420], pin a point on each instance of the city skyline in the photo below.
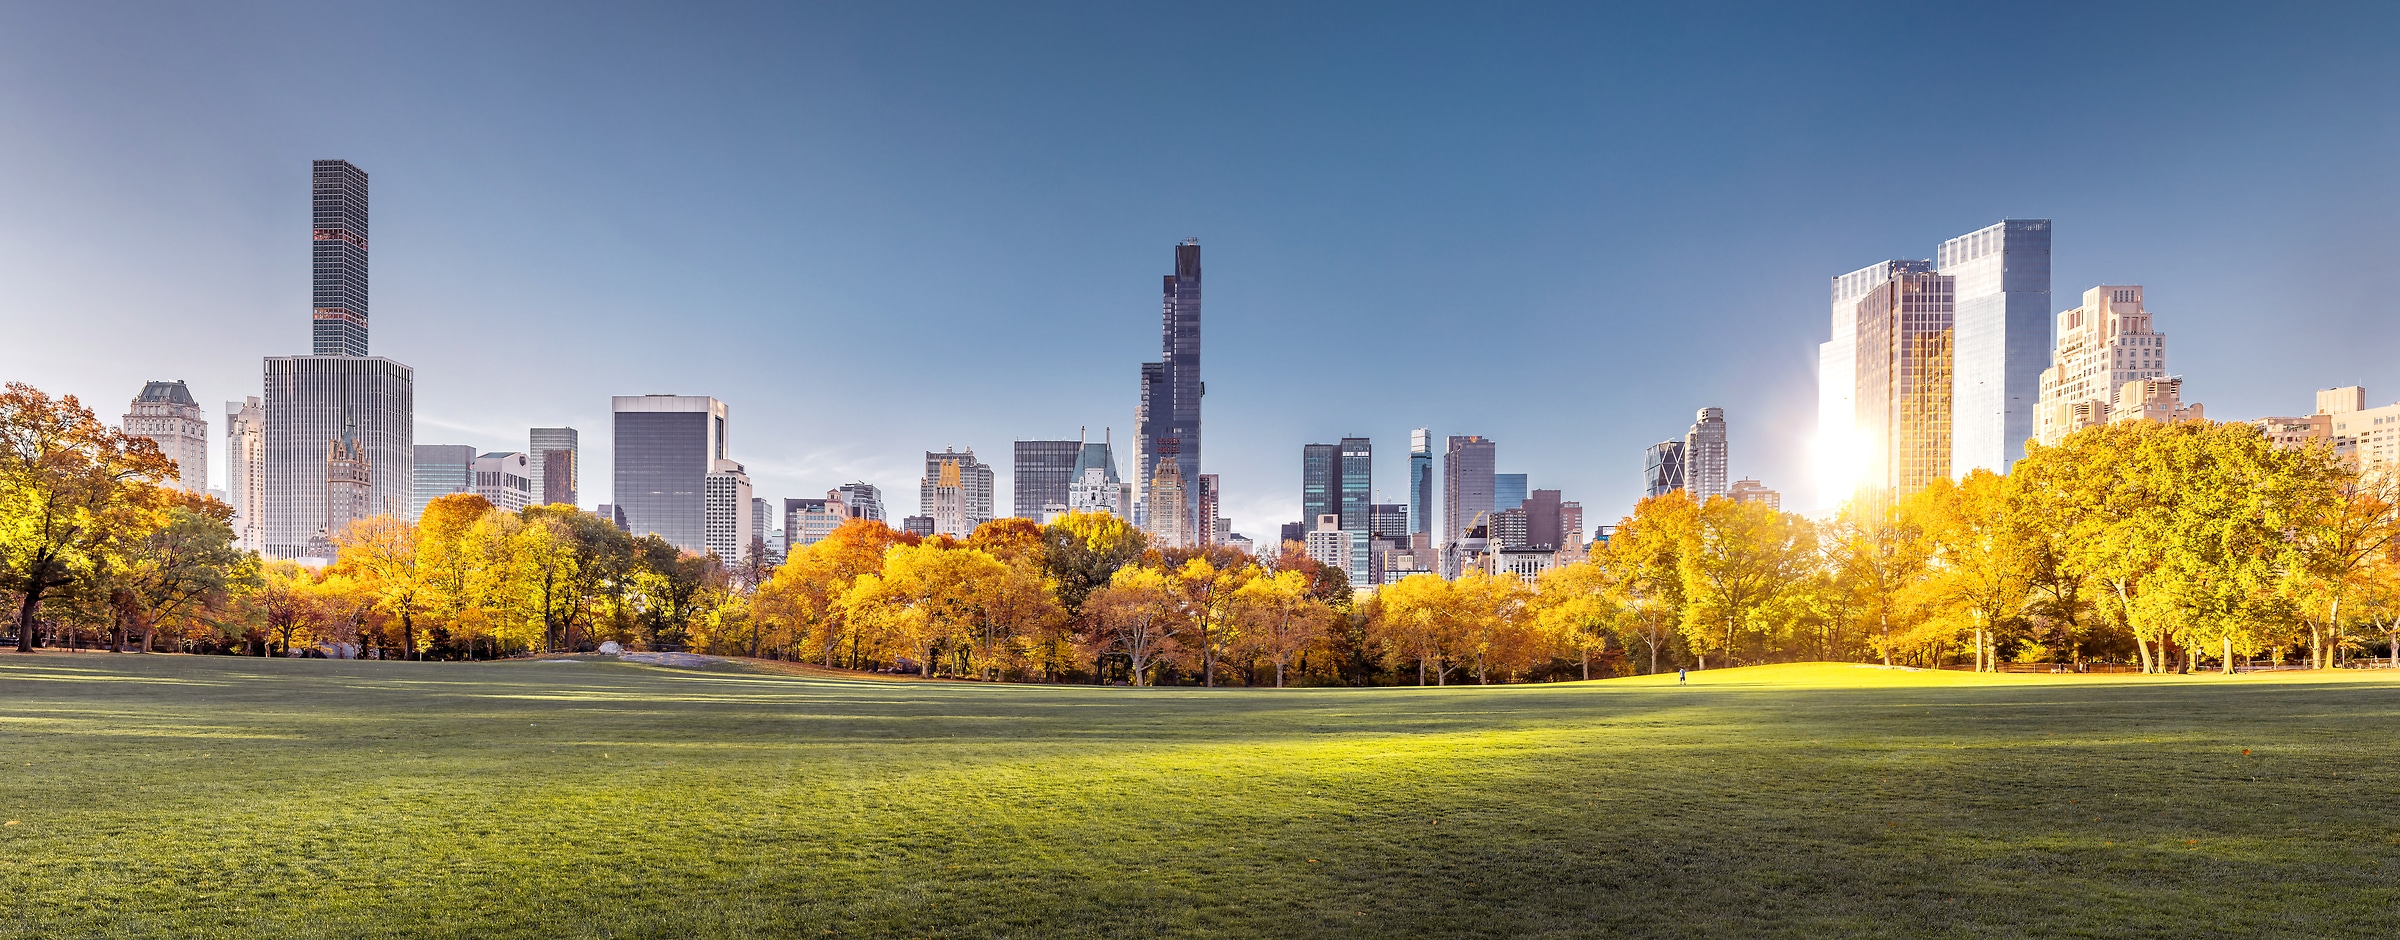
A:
[2215,228]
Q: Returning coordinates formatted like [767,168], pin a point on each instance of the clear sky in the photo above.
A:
[875,229]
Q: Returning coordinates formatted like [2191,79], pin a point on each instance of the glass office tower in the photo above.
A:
[1466,485]
[1039,475]
[2001,340]
[666,447]
[1320,483]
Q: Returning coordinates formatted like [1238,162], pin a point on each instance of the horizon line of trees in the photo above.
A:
[2174,547]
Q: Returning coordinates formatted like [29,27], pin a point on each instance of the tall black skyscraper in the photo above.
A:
[338,258]
[1320,483]
[1170,419]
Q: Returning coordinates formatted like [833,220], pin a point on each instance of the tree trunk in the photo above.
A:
[1420,671]
[1279,672]
[26,614]
[2228,667]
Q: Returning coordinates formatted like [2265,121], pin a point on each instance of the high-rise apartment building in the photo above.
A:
[2370,435]
[1209,495]
[731,512]
[340,393]
[1905,383]
[553,455]
[1420,488]
[1508,491]
[2102,345]
[1330,545]
[1704,454]
[1467,484]
[505,480]
[2160,401]
[863,500]
[1169,418]
[974,493]
[439,470]
[2001,340]
[246,471]
[1663,468]
[338,258]
[1039,475]
[666,449]
[166,414]
[764,537]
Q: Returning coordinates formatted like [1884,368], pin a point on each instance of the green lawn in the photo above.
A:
[223,797]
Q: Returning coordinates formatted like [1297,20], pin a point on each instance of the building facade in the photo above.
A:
[1320,480]
[974,493]
[338,258]
[1662,468]
[808,521]
[246,471]
[1329,545]
[311,402]
[166,414]
[732,513]
[554,457]
[1508,491]
[1467,484]
[1210,494]
[666,447]
[505,480]
[2160,401]
[2000,342]
[439,470]
[1168,513]
[863,500]
[1704,455]
[2103,344]
[1096,486]
[1905,383]
[1040,473]
[948,504]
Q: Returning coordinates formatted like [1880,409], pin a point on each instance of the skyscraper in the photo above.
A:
[1209,495]
[166,414]
[1508,491]
[974,494]
[1905,382]
[338,257]
[1170,413]
[666,447]
[439,470]
[1704,455]
[1542,522]
[1466,485]
[561,486]
[1420,487]
[1663,468]
[1358,504]
[313,401]
[1168,513]
[1838,443]
[2102,345]
[2001,340]
[1039,474]
[1320,480]
[731,512]
[246,471]
[339,393]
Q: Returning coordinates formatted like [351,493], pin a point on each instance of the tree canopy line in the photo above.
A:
[2171,547]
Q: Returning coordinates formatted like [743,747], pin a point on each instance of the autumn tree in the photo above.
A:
[72,492]
[1279,618]
[1134,617]
[1738,561]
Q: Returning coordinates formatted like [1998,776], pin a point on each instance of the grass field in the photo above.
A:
[223,797]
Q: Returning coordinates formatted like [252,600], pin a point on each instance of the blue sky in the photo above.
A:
[875,229]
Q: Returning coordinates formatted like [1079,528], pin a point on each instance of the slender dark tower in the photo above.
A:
[1170,424]
[338,258]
